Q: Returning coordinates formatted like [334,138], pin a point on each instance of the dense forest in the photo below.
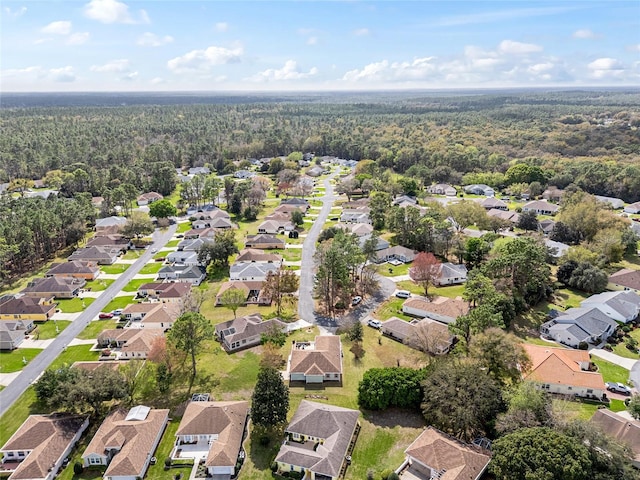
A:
[589,138]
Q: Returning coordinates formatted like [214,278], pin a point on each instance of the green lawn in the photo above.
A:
[118,303]
[162,254]
[133,285]
[47,330]
[157,471]
[132,254]
[95,327]
[183,227]
[391,308]
[74,305]
[623,351]
[77,353]
[610,371]
[153,267]
[99,284]
[451,291]
[288,254]
[580,410]
[18,413]
[173,243]
[115,268]
[617,405]
[389,270]
[566,298]
[13,361]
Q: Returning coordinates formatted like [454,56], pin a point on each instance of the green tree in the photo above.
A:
[467,213]
[501,355]
[476,321]
[355,332]
[475,252]
[634,406]
[162,209]
[381,388]
[218,252]
[297,218]
[188,334]
[588,278]
[138,225]
[274,335]
[380,203]
[528,406]
[270,400]
[280,286]
[528,221]
[233,298]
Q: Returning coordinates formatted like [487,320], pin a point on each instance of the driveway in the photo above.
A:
[623,362]
[39,364]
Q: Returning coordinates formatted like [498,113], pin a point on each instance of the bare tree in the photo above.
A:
[425,270]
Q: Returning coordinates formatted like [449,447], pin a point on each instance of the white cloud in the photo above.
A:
[518,48]
[113,11]
[15,13]
[63,75]
[500,16]
[78,38]
[385,71]
[114,66]
[312,41]
[361,32]
[203,60]
[36,73]
[129,76]
[289,71]
[157,81]
[221,26]
[540,68]
[603,68]
[149,39]
[62,27]
[634,48]
[14,72]
[584,33]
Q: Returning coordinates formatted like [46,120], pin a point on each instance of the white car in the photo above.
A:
[154,250]
[356,300]
[403,294]
[377,324]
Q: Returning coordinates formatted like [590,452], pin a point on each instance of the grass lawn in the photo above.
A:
[47,330]
[579,410]
[566,298]
[610,371]
[452,291]
[99,284]
[617,405]
[115,268]
[183,227]
[157,471]
[289,254]
[12,361]
[173,243]
[95,327]
[132,254]
[133,285]
[118,303]
[77,353]
[18,413]
[389,270]
[74,305]
[623,351]
[162,254]
[153,267]
[391,308]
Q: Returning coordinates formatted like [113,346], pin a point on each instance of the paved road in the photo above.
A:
[39,364]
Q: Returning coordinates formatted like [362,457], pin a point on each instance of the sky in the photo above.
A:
[163,45]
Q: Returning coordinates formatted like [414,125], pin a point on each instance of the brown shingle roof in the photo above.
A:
[255,255]
[72,267]
[439,452]
[627,278]
[246,327]
[440,306]
[623,430]
[326,356]
[225,419]
[27,305]
[54,285]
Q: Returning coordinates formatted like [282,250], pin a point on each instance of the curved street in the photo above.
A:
[39,364]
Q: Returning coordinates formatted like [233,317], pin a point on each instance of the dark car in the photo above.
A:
[105,315]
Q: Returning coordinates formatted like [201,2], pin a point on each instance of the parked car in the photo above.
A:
[356,300]
[618,388]
[105,315]
[180,235]
[403,294]
[375,323]
[117,312]
[154,250]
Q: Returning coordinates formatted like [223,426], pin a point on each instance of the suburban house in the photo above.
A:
[553,194]
[174,292]
[252,271]
[480,189]
[126,441]
[399,253]
[213,432]
[625,279]
[436,455]
[442,309]
[275,226]
[301,203]
[194,244]
[175,273]
[492,202]
[75,269]
[442,189]
[622,306]
[187,258]
[211,212]
[577,325]
[147,198]
[244,174]
[289,209]
[110,225]
[264,242]
[564,371]
[510,216]
[381,245]
[252,290]
[546,226]
[27,309]
[358,229]
[556,249]
[246,332]
[541,207]
[632,208]
[131,342]
[206,233]
[215,223]
[58,287]
[613,202]
[404,199]
[319,439]
[12,334]
[38,448]
[451,274]
[623,430]
[426,335]
[317,362]
[152,315]
[199,171]
[250,255]
[99,255]
[113,241]
[360,215]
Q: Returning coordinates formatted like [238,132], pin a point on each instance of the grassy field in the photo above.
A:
[289,254]
[162,254]
[623,351]
[610,371]
[47,330]
[12,361]
[173,243]
[153,267]
[134,285]
[95,327]
[115,268]
[77,353]
[389,270]
[99,284]
[119,303]
[391,308]
[132,254]
[183,227]
[74,305]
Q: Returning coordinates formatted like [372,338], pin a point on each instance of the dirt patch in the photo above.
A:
[393,417]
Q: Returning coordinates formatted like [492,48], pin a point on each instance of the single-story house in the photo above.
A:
[436,455]
[195,275]
[193,245]
[613,202]
[632,208]
[319,439]
[511,216]
[553,194]
[400,253]
[205,234]
[38,448]
[451,274]
[213,431]
[623,430]
[126,441]
[147,198]
[480,189]
[355,216]
[317,362]
[132,342]
[252,271]
[381,245]
[358,229]
[244,174]
[110,224]
[99,255]
[199,171]
[12,334]
[252,290]
[210,212]
[577,325]
[625,279]
[301,203]
[406,199]
[152,315]
[187,258]
[442,309]
[492,202]
[622,306]
[58,287]
[556,249]
[114,241]
[246,332]
[546,226]
[541,207]
[264,241]
[564,371]
[250,255]
[426,334]
[165,292]
[442,189]
[74,269]
[27,309]
[288,209]
[274,227]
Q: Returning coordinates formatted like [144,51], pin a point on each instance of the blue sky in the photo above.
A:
[117,45]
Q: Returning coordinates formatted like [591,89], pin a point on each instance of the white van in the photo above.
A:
[403,294]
